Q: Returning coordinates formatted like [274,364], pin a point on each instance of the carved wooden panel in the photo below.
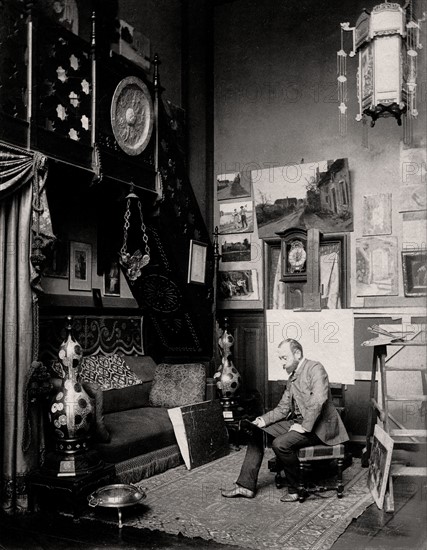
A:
[13,74]
[64,84]
[12,61]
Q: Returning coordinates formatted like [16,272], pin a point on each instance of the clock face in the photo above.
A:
[132,115]
[297,257]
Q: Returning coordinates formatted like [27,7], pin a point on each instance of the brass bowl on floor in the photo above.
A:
[117,495]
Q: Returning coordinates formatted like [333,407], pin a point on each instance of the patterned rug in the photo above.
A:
[190,503]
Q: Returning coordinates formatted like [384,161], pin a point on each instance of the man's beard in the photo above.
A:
[292,367]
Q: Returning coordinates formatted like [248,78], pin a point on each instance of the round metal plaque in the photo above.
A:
[132,115]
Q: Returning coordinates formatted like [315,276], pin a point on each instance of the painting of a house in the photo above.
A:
[334,188]
[311,195]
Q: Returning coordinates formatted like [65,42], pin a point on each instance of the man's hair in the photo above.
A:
[293,344]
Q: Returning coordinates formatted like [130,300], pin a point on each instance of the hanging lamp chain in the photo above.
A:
[126,226]
[143,229]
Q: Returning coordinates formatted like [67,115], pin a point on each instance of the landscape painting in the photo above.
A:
[233,185]
[311,195]
[236,217]
[235,248]
[376,266]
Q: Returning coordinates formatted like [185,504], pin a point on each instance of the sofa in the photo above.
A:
[133,430]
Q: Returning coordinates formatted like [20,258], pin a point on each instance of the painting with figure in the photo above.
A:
[238,285]
[236,217]
[311,195]
[376,266]
[233,185]
[379,464]
[377,214]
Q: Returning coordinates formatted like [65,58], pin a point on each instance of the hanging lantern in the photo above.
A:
[386,42]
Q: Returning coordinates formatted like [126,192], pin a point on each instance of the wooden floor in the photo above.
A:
[374,529]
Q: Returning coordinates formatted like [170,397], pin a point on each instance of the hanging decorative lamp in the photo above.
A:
[133,264]
[386,41]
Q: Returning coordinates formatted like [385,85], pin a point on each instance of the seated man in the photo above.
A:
[308,417]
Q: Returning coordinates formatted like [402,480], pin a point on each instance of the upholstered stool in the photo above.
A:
[307,455]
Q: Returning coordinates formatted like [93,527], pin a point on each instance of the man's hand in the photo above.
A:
[259,422]
[297,428]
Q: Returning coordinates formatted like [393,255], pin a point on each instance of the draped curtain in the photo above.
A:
[19,185]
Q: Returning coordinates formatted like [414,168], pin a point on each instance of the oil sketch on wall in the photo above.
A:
[235,248]
[377,214]
[233,186]
[312,195]
[238,285]
[376,266]
[236,217]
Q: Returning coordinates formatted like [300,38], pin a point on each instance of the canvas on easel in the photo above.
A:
[379,465]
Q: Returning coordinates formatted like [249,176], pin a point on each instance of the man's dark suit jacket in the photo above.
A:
[309,386]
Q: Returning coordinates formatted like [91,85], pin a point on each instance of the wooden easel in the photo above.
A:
[380,411]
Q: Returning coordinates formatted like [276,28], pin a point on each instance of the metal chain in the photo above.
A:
[124,248]
[143,229]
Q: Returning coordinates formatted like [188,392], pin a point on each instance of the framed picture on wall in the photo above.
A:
[197,262]
[57,260]
[112,279]
[414,272]
[80,266]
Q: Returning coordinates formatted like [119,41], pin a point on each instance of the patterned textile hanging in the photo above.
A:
[134,264]
[42,233]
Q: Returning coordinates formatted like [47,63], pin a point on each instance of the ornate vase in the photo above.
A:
[71,414]
[227,377]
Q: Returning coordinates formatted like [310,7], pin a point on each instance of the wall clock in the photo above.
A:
[132,115]
[297,257]
[294,254]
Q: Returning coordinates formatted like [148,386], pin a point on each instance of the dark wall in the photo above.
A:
[180,33]
[161,22]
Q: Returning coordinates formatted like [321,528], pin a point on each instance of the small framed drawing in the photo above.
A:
[414,272]
[379,464]
[57,260]
[197,262]
[112,279]
[80,266]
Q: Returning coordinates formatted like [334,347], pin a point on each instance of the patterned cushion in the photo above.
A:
[110,372]
[178,385]
[319,452]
